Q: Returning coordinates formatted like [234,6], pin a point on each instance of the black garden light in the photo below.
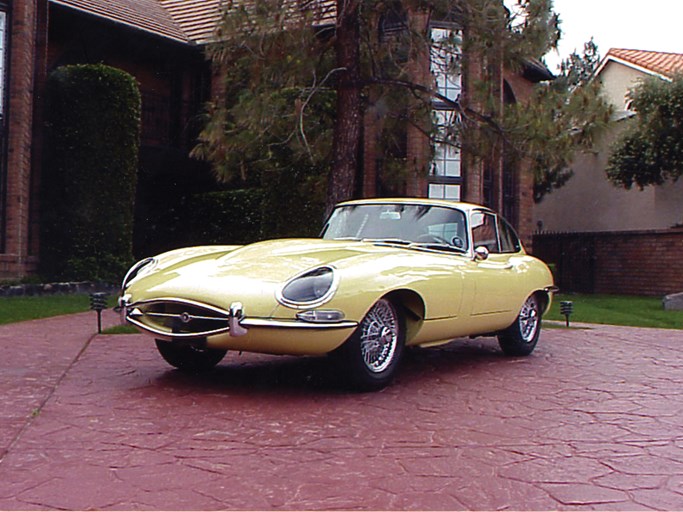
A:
[98,302]
[566,309]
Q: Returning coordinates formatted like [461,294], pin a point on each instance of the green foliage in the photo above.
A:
[93,124]
[564,116]
[293,203]
[275,111]
[272,125]
[526,29]
[274,106]
[577,70]
[651,151]
[120,329]
[230,217]
[243,216]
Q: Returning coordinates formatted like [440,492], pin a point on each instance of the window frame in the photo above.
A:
[441,185]
[500,224]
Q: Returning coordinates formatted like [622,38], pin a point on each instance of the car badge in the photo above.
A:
[185,318]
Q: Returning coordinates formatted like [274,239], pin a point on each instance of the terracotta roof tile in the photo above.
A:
[662,63]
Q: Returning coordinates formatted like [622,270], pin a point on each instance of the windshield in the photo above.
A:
[408,223]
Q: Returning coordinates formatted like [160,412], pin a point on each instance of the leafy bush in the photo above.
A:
[293,202]
[89,176]
[650,152]
[225,217]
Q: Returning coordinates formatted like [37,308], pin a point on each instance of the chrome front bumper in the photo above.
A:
[172,318]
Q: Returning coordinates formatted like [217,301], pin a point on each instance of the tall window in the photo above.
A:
[445,179]
[445,61]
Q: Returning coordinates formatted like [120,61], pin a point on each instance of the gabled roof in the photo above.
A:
[662,64]
[185,21]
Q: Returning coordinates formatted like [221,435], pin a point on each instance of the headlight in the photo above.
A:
[310,289]
[140,268]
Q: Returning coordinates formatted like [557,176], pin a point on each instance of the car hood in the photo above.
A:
[223,274]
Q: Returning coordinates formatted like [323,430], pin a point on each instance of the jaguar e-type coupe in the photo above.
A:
[385,274]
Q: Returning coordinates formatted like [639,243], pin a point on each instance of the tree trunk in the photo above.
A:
[342,178]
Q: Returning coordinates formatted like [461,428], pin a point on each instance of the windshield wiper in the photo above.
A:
[439,247]
[396,241]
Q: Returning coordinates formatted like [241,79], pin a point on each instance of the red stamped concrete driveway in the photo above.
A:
[592,420]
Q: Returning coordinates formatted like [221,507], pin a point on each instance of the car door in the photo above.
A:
[496,277]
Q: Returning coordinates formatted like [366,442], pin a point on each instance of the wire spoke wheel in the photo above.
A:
[379,336]
[521,337]
[370,357]
[529,319]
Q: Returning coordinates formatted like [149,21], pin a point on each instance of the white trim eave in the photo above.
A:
[611,58]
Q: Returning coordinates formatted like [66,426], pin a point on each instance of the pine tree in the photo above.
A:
[297,77]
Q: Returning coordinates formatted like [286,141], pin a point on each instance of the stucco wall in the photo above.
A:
[589,202]
[616,80]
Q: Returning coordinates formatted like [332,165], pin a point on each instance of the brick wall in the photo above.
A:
[628,263]
[16,260]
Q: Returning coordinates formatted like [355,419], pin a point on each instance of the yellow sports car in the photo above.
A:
[385,274]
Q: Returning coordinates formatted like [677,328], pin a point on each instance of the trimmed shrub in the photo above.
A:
[293,202]
[227,217]
[89,175]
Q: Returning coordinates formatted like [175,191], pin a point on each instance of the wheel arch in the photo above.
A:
[544,300]
[412,307]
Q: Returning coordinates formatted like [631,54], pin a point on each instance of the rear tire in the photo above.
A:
[189,358]
[521,337]
[370,357]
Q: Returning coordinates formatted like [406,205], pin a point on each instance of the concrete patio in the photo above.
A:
[593,420]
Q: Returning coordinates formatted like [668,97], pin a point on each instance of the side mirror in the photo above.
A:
[481,253]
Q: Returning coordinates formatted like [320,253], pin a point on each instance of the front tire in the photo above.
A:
[372,354]
[521,337]
[189,358]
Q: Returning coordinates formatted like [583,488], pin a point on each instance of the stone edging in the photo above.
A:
[28,290]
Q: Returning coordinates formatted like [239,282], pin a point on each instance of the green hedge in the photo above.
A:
[225,217]
[89,175]
[240,216]
[294,202]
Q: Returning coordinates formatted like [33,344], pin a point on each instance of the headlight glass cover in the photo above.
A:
[140,268]
[309,289]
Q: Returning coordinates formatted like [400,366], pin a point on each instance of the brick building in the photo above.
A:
[160,42]
[498,180]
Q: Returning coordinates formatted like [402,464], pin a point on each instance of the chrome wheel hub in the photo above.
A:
[529,319]
[379,336]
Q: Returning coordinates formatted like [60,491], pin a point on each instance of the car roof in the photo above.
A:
[417,201]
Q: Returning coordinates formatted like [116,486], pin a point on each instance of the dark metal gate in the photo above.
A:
[572,258]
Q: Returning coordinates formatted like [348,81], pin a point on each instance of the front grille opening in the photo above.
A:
[177,317]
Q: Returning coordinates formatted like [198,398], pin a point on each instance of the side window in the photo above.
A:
[484,231]
[509,242]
